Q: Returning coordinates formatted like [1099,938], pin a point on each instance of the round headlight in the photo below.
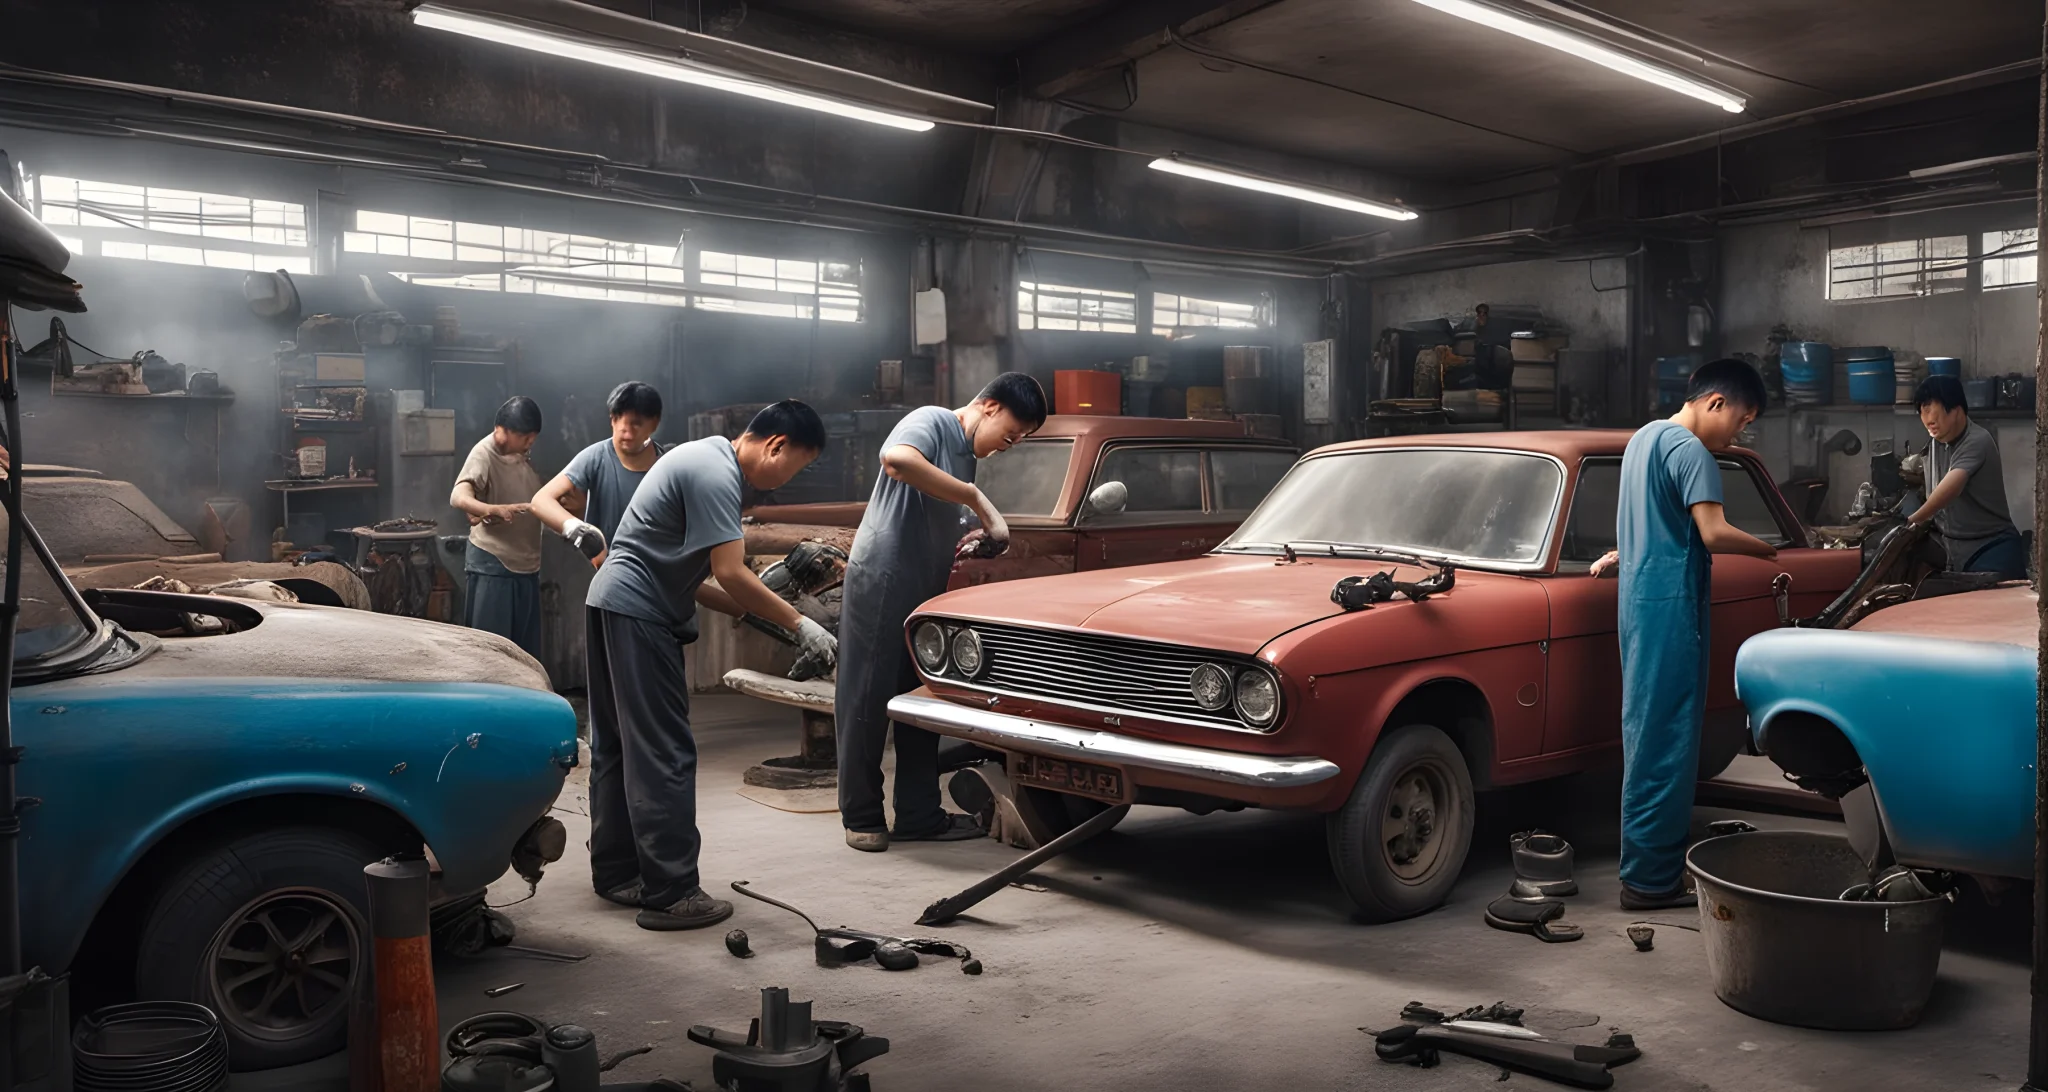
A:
[930,644]
[1258,698]
[1210,685]
[968,658]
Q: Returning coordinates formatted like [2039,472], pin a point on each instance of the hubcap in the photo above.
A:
[1412,830]
[285,964]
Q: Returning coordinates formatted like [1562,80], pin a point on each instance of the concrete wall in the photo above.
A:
[1589,298]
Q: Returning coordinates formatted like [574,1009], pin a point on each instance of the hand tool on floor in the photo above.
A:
[947,909]
[1566,1063]
[841,946]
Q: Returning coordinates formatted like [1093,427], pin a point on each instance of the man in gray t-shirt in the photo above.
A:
[902,556]
[585,502]
[680,532]
[1966,485]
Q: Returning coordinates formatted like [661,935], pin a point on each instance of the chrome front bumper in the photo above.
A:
[1005,732]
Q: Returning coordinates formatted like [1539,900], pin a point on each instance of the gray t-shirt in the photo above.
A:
[903,528]
[606,484]
[688,503]
[1980,512]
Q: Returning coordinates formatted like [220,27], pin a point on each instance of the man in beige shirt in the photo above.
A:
[495,489]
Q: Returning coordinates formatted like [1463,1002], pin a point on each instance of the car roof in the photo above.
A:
[1076,426]
[2008,615]
[1565,444]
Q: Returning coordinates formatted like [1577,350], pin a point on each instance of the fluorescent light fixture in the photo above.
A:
[505,32]
[1180,165]
[1577,46]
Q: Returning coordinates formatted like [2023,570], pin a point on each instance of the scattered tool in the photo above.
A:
[1539,917]
[1578,1066]
[736,943]
[841,946]
[1543,865]
[500,991]
[1642,936]
[945,910]
[784,1050]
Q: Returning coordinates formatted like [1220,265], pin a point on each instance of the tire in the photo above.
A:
[1047,814]
[1398,844]
[290,899]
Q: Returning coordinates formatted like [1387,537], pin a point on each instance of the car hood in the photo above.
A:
[300,641]
[1227,602]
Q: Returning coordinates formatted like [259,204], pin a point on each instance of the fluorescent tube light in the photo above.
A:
[564,45]
[1577,46]
[1177,164]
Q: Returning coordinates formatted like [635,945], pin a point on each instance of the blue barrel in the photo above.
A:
[1809,371]
[1945,365]
[1872,382]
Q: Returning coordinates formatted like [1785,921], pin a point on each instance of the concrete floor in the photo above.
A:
[1183,952]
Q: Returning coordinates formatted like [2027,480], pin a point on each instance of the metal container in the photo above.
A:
[1782,946]
[1945,365]
[1980,393]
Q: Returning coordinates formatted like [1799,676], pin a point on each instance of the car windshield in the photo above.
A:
[1476,506]
[1026,480]
[53,620]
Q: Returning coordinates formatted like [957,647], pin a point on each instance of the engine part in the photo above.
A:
[1361,592]
[736,943]
[571,1051]
[784,1050]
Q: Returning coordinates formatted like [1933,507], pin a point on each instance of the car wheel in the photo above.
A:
[1399,843]
[268,930]
[1047,814]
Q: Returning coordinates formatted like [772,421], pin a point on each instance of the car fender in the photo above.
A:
[121,766]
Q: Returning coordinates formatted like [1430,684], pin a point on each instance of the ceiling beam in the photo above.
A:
[1080,55]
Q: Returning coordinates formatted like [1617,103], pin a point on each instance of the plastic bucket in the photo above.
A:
[1782,946]
[1872,380]
[1809,371]
[1945,365]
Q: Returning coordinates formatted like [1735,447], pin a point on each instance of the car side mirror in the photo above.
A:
[1108,499]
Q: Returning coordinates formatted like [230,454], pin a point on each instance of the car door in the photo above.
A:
[1583,665]
[1162,519]
[1743,603]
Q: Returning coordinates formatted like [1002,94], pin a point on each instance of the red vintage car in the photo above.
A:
[1484,656]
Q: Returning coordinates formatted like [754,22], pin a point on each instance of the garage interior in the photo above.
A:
[320,245]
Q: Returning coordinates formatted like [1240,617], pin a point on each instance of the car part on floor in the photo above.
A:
[784,1050]
[175,1046]
[947,909]
[736,943]
[513,1052]
[841,946]
[1539,917]
[1783,946]
[1642,936]
[1566,1063]
[1543,865]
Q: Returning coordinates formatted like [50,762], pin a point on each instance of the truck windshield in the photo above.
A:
[1476,506]
[1027,479]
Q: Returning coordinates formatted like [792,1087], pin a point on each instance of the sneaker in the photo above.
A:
[951,828]
[627,894]
[1678,898]
[868,841]
[695,911]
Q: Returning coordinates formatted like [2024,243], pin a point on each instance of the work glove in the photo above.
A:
[587,539]
[817,643]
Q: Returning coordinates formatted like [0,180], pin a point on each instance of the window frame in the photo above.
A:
[1032,318]
[1127,518]
[1261,308]
[1924,285]
[1988,249]
[293,218]
[1790,529]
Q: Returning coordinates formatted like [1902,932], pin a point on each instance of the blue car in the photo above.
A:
[209,777]
[1930,703]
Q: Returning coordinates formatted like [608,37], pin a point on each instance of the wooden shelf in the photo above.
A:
[290,485]
[319,424]
[168,396]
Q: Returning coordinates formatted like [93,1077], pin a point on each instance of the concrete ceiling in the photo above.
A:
[1400,88]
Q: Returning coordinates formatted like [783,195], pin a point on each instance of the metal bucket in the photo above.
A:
[1782,947]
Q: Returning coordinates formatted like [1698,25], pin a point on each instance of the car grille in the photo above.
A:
[1107,672]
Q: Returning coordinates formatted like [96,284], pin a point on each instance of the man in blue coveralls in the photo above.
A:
[1669,522]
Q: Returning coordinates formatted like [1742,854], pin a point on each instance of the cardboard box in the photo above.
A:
[336,368]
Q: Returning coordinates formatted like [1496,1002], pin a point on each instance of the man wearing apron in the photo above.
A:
[1669,521]
[1966,486]
[903,555]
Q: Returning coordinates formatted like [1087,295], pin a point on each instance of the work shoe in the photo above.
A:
[626,894]
[953,828]
[695,911]
[1678,898]
[868,841]
[1543,866]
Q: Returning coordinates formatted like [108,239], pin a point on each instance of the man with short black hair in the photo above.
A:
[1966,485]
[903,555]
[502,564]
[1669,523]
[586,500]
[679,545]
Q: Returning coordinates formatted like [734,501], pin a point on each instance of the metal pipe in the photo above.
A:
[10,612]
[2037,1027]
[946,909]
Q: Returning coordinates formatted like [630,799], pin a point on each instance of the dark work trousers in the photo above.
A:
[874,666]
[643,760]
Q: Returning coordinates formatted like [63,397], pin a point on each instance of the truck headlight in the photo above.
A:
[929,642]
[968,657]
[1258,698]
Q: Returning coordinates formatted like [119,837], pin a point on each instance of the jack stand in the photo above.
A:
[784,1050]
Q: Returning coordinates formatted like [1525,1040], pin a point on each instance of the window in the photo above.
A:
[1159,479]
[1909,267]
[546,263]
[780,287]
[1027,479]
[1744,505]
[183,227]
[2009,258]
[1239,480]
[1169,311]
[1590,531]
[1059,307]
